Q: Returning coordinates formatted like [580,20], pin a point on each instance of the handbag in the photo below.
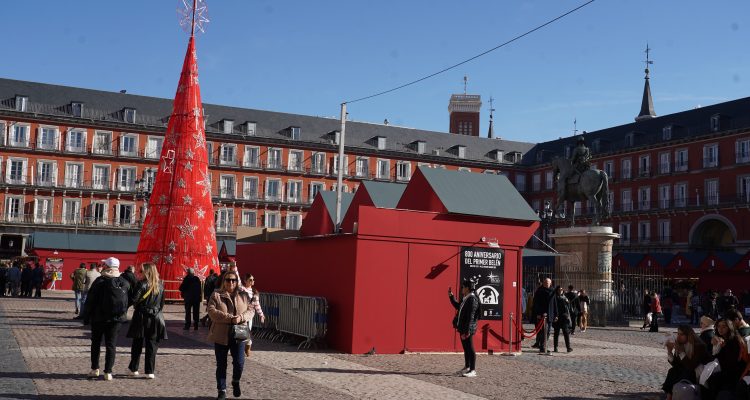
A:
[239,332]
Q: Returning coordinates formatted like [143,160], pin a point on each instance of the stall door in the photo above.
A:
[432,270]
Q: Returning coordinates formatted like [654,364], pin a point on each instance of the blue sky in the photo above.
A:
[307,57]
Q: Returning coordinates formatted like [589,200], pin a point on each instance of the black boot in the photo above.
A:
[236,392]
[222,395]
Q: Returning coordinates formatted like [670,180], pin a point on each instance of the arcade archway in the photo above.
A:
[712,232]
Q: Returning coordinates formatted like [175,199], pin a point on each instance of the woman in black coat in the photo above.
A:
[684,354]
[561,317]
[465,323]
[147,325]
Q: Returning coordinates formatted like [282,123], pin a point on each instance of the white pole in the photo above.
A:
[339,181]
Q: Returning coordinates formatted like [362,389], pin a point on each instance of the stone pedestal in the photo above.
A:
[586,263]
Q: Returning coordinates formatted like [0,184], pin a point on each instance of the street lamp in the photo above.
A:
[547,217]
[143,188]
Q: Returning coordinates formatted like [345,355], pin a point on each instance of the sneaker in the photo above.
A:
[132,373]
[572,333]
[569,349]
[150,376]
[471,374]
[222,395]
[236,391]
[107,377]
[94,373]
[462,371]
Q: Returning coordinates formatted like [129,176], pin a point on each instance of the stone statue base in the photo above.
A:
[586,263]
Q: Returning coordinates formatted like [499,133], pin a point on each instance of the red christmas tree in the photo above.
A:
[178,232]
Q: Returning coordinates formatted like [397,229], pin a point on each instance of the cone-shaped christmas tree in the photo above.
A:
[178,232]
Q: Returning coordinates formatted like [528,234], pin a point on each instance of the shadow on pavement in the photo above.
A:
[620,395]
[368,372]
[89,397]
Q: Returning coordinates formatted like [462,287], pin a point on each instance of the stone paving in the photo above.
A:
[45,355]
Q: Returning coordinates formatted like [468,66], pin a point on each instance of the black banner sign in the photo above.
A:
[485,267]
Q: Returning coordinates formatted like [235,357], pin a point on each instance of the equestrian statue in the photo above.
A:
[577,181]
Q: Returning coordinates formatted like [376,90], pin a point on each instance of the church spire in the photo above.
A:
[491,131]
[647,104]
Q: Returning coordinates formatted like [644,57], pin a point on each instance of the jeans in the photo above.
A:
[84,296]
[237,349]
[109,330]
[566,335]
[152,346]
[192,308]
[470,356]
[79,301]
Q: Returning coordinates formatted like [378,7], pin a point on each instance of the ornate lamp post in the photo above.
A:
[143,188]
[548,219]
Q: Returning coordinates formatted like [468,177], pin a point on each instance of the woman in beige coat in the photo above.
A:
[228,306]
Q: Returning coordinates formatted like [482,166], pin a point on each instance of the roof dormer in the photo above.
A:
[128,115]
[295,132]
[22,103]
[497,155]
[227,125]
[248,128]
[420,146]
[76,109]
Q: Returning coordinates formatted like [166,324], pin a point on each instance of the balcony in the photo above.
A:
[273,197]
[644,172]
[664,168]
[255,164]
[47,146]
[295,168]
[229,162]
[318,169]
[625,176]
[710,162]
[295,200]
[19,144]
[742,157]
[681,167]
[274,166]
[226,193]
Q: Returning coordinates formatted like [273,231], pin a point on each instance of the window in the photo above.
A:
[666,133]
[465,128]
[609,168]
[293,220]
[47,139]
[461,151]
[22,103]
[250,188]
[384,169]
[362,167]
[210,153]
[14,208]
[250,128]
[100,177]
[252,157]
[625,233]
[15,172]
[73,175]
[76,109]
[129,145]
[499,156]
[273,220]
[381,143]
[294,192]
[273,190]
[315,188]
[318,163]
[715,123]
[224,218]
[743,189]
[226,186]
[153,147]
[680,195]
[128,115]
[536,182]
[520,182]
[42,210]
[403,170]
[126,181]
[664,231]
[711,155]
[102,143]
[644,166]
[664,195]
[629,139]
[295,132]
[71,211]
[228,154]
[125,214]
[2,133]
[627,202]
[664,163]
[644,231]
[625,168]
[249,218]
[274,158]
[644,198]
[76,141]
[97,214]
[46,173]
[681,160]
[295,160]
[742,151]
[227,126]
[19,136]
[548,180]
[421,147]
[335,165]
[712,192]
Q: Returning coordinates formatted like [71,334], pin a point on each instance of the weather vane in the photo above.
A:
[193,14]
[648,60]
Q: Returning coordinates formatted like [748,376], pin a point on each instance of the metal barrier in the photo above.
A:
[293,315]
[172,291]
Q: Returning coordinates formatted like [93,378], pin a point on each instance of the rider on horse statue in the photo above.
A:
[581,160]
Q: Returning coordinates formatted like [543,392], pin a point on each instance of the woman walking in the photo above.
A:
[465,323]
[656,312]
[147,325]
[254,307]
[227,307]
[561,318]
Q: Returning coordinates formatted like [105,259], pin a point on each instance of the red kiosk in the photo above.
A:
[386,277]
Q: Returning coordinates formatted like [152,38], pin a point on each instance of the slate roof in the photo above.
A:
[384,194]
[98,242]
[329,199]
[107,106]
[482,195]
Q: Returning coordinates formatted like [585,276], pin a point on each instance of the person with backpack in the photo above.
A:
[190,289]
[147,326]
[79,278]
[465,323]
[106,309]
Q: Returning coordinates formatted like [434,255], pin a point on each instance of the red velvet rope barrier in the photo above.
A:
[529,335]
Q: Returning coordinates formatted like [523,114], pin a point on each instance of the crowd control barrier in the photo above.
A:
[287,315]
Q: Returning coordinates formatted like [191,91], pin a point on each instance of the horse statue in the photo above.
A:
[592,185]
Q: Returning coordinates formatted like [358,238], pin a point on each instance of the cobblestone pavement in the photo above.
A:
[45,355]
